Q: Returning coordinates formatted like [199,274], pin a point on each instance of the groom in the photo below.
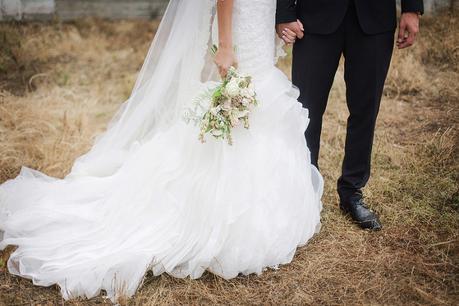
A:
[363,31]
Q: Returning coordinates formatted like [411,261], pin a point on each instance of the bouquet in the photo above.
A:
[217,111]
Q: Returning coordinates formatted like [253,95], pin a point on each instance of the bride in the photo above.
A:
[150,196]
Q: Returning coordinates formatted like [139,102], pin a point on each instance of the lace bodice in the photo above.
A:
[254,34]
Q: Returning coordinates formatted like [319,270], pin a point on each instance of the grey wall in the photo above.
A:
[117,9]
[71,9]
[26,9]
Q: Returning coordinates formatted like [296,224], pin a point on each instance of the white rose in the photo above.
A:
[246,101]
[244,92]
[232,88]
[242,81]
[247,92]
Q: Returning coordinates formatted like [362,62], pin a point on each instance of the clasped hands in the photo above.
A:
[290,31]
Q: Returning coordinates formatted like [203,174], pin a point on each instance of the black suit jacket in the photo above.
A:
[324,16]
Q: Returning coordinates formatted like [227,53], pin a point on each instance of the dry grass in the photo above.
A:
[60,84]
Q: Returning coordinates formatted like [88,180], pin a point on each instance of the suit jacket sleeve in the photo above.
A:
[286,11]
[412,6]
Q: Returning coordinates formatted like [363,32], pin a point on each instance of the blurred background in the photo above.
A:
[71,9]
[67,65]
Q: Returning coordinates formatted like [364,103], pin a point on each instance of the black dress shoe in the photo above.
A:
[361,214]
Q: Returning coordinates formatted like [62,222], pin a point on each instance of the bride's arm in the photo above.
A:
[225,58]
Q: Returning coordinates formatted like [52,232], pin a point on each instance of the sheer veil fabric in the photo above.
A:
[171,73]
[150,196]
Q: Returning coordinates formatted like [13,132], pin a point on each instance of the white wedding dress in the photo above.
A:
[173,204]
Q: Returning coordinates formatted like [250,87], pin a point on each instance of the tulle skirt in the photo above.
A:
[174,206]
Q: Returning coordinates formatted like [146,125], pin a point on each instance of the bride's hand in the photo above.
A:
[224,59]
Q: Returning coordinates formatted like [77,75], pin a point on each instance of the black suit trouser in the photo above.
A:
[367,58]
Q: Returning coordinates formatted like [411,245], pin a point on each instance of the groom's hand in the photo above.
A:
[408,29]
[290,31]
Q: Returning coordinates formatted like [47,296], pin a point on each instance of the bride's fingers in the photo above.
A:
[289,33]
[223,71]
[287,39]
[220,68]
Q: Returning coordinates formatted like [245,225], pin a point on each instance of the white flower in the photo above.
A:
[246,101]
[232,88]
[247,92]
[216,133]
[242,114]
[214,110]
[250,91]
[234,121]
[226,105]
[242,82]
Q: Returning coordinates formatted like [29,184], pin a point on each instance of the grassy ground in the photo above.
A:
[60,84]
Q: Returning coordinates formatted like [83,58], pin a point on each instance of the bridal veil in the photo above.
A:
[177,62]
